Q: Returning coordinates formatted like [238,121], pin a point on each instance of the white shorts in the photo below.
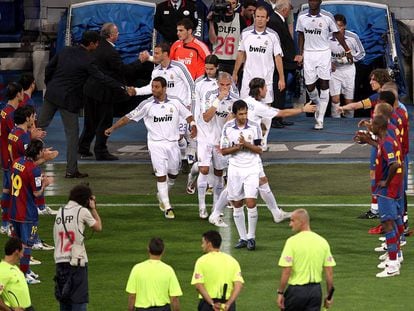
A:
[244,91]
[165,157]
[242,183]
[343,81]
[208,153]
[316,65]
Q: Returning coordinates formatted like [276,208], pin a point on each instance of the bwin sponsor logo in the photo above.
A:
[166,118]
[338,55]
[313,31]
[222,114]
[170,84]
[260,49]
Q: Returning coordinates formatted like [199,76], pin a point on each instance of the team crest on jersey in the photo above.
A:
[172,77]
[171,110]
[191,54]
[162,107]
[266,42]
[249,137]
[320,25]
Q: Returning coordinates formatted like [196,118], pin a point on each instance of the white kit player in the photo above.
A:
[203,85]
[257,110]
[161,115]
[179,84]
[241,140]
[215,110]
[314,27]
[259,49]
[343,72]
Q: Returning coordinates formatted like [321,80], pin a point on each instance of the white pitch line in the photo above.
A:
[192,205]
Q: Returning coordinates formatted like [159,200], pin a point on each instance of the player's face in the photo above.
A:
[158,55]
[341,26]
[263,91]
[157,90]
[224,85]
[20,96]
[233,4]
[182,33]
[249,11]
[241,116]
[31,120]
[114,34]
[375,86]
[314,4]
[211,70]
[260,19]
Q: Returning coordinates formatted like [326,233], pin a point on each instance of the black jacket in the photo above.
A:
[108,60]
[66,74]
[166,18]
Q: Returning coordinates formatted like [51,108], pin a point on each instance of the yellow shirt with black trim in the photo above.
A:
[215,269]
[307,253]
[153,282]
[14,290]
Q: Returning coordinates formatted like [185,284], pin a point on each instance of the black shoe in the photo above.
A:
[76,175]
[106,157]
[368,215]
[287,123]
[185,167]
[241,244]
[251,244]
[84,155]
[277,124]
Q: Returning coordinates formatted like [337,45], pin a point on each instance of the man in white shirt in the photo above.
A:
[260,50]
[214,113]
[343,72]
[241,140]
[161,116]
[314,27]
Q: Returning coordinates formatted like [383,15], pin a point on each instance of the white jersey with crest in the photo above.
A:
[179,81]
[202,86]
[258,110]
[316,29]
[338,52]
[230,136]
[76,218]
[261,49]
[210,132]
[161,118]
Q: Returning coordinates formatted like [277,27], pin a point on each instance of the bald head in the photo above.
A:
[299,221]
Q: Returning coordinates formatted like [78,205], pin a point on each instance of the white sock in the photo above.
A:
[170,182]
[217,188]
[162,188]
[252,222]
[314,96]
[194,171]
[238,216]
[220,205]
[323,104]
[202,188]
[334,111]
[268,197]
[182,144]
[374,208]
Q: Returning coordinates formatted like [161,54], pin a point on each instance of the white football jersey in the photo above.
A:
[260,49]
[161,118]
[179,82]
[230,136]
[76,217]
[316,29]
[338,52]
[210,132]
[258,110]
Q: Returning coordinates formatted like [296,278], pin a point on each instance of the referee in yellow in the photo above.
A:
[303,259]
[152,285]
[14,292]
[217,276]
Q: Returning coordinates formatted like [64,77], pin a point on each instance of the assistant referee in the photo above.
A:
[152,285]
[303,259]
[217,276]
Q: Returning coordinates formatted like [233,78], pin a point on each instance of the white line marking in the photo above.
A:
[194,205]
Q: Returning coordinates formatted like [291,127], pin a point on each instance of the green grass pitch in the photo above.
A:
[327,191]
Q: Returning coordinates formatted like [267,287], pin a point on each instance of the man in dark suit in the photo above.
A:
[277,22]
[65,76]
[100,100]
